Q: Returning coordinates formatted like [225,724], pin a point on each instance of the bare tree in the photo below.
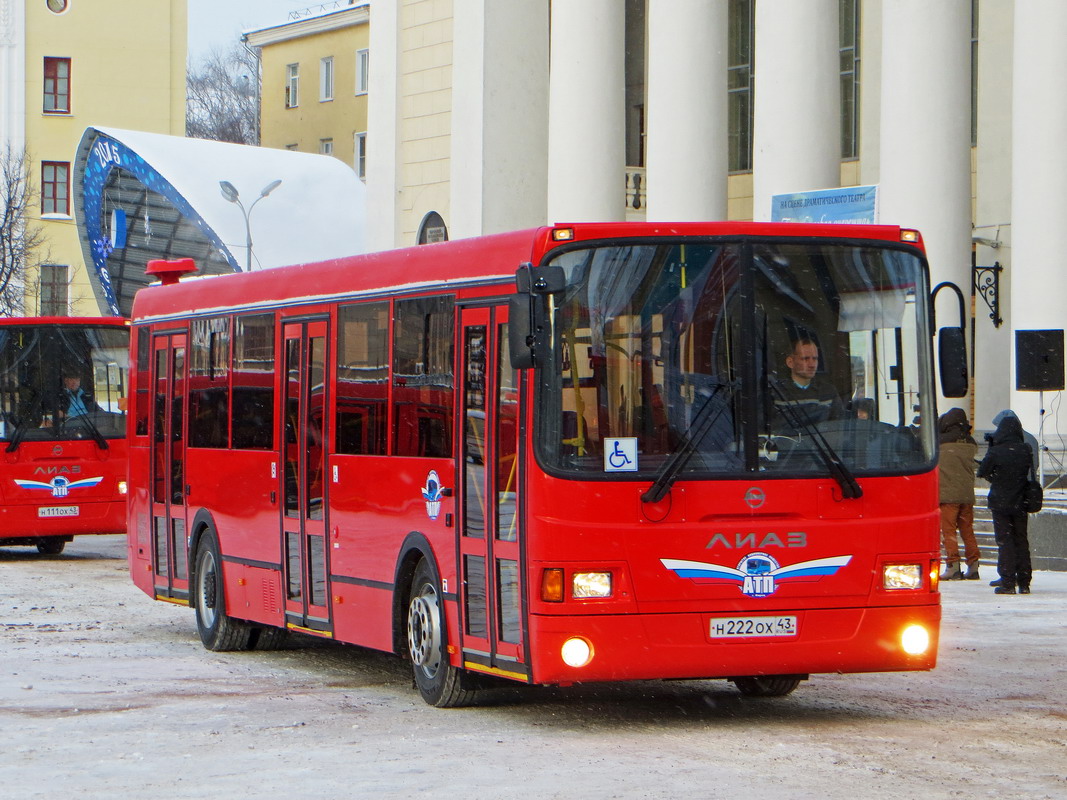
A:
[223,97]
[22,244]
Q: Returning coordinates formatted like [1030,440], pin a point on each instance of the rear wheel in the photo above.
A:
[439,683]
[51,546]
[217,630]
[767,685]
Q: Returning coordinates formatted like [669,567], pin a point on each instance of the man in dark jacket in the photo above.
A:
[1007,466]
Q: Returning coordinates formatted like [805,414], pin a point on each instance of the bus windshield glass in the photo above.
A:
[62,382]
[729,357]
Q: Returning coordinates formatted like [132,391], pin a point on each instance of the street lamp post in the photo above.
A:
[229,191]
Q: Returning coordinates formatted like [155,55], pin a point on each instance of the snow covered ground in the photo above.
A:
[105,693]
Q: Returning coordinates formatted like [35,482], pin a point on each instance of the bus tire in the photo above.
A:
[767,685]
[267,637]
[52,546]
[439,683]
[218,631]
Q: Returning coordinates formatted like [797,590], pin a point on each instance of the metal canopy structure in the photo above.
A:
[141,196]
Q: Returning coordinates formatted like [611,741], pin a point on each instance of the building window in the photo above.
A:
[740,50]
[849,22]
[292,86]
[362,71]
[292,147]
[326,79]
[360,164]
[55,187]
[57,85]
[326,147]
[54,290]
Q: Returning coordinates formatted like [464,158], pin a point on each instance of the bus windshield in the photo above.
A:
[728,357]
[62,382]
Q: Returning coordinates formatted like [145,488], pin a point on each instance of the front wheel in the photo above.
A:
[51,546]
[439,683]
[767,685]
[217,630]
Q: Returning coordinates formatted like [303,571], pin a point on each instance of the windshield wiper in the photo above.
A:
[86,420]
[701,424]
[798,418]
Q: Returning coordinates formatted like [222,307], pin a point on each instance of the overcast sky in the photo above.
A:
[218,23]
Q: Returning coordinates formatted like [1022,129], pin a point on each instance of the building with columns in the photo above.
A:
[66,65]
[487,116]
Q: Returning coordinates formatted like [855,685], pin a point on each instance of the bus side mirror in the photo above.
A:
[528,316]
[952,361]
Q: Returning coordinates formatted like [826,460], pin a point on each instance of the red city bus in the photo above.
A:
[63,384]
[553,456]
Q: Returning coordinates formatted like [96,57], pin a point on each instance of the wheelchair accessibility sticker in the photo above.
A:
[620,454]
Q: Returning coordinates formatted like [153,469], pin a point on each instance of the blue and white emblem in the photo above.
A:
[59,486]
[431,492]
[758,574]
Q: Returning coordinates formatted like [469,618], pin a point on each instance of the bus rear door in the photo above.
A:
[170,563]
[490,530]
[302,486]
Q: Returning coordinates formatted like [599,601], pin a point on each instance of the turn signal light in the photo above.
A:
[552,585]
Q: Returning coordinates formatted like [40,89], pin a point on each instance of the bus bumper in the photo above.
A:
[680,646]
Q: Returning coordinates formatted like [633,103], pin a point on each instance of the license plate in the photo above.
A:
[736,627]
[58,511]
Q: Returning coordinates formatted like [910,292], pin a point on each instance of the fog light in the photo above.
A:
[122,487]
[576,652]
[591,584]
[902,576]
[915,640]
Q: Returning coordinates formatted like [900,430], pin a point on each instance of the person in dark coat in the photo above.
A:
[1007,467]
[956,488]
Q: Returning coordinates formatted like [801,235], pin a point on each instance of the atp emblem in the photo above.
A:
[59,486]
[432,494]
[758,574]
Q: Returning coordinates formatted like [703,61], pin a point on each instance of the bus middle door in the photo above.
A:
[302,480]
[490,530]
[170,561]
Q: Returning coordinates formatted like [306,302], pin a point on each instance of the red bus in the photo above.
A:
[63,383]
[552,456]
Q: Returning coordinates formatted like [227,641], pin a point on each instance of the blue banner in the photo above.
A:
[856,205]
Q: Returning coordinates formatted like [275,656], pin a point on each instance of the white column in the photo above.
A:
[12,75]
[796,135]
[499,111]
[1039,173]
[925,150]
[586,133]
[870,88]
[383,178]
[685,145]
[925,155]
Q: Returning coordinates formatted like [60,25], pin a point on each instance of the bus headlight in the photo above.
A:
[591,584]
[576,652]
[902,576]
[122,487]
[915,640]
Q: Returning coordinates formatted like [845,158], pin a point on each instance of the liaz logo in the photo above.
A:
[59,486]
[758,574]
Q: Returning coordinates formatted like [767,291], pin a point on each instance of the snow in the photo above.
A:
[106,693]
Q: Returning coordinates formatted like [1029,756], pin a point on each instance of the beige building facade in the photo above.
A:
[315,74]
[66,65]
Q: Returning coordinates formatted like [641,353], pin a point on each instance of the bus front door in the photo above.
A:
[302,485]
[492,557]
[170,561]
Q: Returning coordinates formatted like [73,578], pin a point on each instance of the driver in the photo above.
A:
[75,401]
[804,392]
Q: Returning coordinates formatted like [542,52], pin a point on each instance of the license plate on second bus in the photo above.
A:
[730,627]
[58,511]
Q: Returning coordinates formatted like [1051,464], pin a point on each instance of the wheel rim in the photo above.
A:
[206,590]
[424,631]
